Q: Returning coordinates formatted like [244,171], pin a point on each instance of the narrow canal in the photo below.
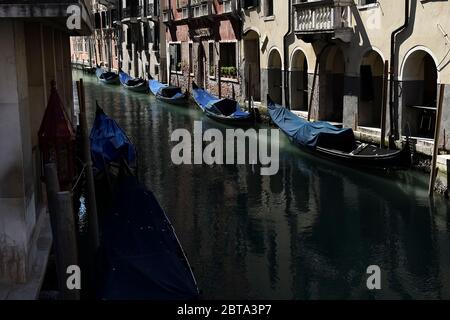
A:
[309,232]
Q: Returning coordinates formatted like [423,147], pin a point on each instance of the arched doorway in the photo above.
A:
[252,64]
[299,82]
[371,90]
[275,77]
[419,94]
[331,75]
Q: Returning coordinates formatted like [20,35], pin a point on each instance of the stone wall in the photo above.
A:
[32,55]
[230,88]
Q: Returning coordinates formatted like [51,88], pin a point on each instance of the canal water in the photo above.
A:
[309,232]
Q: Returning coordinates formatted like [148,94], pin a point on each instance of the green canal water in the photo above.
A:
[309,232]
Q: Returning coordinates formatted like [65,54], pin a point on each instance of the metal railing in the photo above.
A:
[130,12]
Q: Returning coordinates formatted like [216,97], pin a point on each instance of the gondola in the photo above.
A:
[133,84]
[140,256]
[227,111]
[328,141]
[168,94]
[109,143]
[107,77]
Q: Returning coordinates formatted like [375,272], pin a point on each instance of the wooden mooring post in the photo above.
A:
[436,140]
[91,204]
[63,229]
[384,104]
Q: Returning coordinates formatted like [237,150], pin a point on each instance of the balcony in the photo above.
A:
[201,8]
[130,14]
[148,12]
[230,7]
[325,17]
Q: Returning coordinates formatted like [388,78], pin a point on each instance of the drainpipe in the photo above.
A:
[394,35]
[286,57]
[241,52]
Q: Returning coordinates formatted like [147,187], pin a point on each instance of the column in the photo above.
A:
[351,100]
[17,206]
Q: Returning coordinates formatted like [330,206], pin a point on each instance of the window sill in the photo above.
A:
[368,6]
[235,80]
[176,72]
[269,18]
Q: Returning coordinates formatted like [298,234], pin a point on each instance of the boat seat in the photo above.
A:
[169,92]
[360,149]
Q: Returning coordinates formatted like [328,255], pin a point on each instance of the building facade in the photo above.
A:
[128,36]
[102,47]
[35,51]
[327,60]
[266,24]
[140,39]
[105,38]
[203,45]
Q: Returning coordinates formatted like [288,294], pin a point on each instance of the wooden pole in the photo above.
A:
[52,188]
[90,51]
[249,75]
[63,229]
[385,97]
[311,99]
[91,204]
[170,71]
[436,140]
[68,252]
[109,39]
[219,77]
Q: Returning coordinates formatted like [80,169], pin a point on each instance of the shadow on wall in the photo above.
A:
[328,85]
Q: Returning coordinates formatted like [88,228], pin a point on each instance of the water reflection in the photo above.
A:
[309,232]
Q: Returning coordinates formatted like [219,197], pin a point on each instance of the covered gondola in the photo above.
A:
[328,141]
[133,84]
[141,257]
[222,110]
[107,77]
[109,143]
[168,94]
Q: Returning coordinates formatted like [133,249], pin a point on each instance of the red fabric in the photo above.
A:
[55,124]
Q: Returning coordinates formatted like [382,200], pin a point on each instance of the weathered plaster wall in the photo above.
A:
[32,55]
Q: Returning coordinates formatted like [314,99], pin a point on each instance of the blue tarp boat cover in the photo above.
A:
[102,74]
[158,88]
[226,107]
[312,134]
[99,72]
[140,256]
[126,79]
[109,143]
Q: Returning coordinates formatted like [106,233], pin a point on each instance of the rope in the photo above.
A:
[79,177]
